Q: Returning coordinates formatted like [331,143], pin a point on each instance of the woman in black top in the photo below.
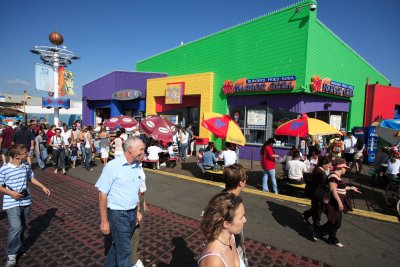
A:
[316,178]
[339,202]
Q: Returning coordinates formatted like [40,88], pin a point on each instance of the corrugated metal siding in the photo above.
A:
[273,45]
[104,87]
[330,57]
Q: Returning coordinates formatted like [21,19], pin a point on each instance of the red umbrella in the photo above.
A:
[158,128]
[120,122]
[304,126]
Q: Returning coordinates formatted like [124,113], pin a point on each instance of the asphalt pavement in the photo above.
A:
[64,229]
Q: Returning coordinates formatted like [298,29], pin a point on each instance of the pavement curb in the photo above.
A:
[357,212]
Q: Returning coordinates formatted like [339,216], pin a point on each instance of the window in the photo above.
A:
[252,121]
[279,117]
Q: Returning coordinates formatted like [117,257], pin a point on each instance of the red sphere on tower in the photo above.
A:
[56,38]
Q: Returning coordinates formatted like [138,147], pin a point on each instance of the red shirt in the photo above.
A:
[49,135]
[267,161]
[7,134]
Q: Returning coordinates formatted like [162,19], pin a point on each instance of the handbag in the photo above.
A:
[323,193]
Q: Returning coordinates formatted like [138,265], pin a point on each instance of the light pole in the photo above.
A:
[55,57]
[25,102]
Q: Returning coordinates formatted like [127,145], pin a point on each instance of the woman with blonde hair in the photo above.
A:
[224,216]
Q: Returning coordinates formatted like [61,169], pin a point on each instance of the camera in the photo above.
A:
[313,7]
[24,193]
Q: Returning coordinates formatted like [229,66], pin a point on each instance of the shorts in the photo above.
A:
[104,152]
[4,151]
[73,158]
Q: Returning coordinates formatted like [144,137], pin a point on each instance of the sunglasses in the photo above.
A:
[234,202]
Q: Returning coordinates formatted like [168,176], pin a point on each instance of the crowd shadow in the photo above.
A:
[37,226]
[193,169]
[182,255]
[288,217]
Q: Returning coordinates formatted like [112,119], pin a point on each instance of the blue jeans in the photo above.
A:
[42,156]
[122,225]
[88,157]
[183,151]
[18,220]
[271,175]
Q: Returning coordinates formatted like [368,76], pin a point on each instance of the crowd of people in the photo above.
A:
[122,184]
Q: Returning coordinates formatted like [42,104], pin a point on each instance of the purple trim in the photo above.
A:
[294,102]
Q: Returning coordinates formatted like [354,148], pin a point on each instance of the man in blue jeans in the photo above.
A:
[14,178]
[119,185]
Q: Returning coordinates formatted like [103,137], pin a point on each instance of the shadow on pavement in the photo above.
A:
[291,218]
[193,169]
[182,255]
[38,226]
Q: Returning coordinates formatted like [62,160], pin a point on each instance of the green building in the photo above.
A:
[271,69]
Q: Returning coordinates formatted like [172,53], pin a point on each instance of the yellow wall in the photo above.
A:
[196,84]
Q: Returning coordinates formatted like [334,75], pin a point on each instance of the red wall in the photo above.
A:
[380,101]
[187,101]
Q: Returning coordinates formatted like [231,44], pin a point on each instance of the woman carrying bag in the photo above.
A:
[338,204]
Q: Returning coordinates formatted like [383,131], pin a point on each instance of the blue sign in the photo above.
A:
[51,102]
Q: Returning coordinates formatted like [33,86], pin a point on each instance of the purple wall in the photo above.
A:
[248,152]
[297,103]
[104,87]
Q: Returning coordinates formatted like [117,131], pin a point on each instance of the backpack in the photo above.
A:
[337,146]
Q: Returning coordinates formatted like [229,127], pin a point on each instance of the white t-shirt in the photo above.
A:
[124,136]
[349,144]
[184,137]
[143,187]
[153,152]
[393,168]
[229,157]
[66,136]
[295,169]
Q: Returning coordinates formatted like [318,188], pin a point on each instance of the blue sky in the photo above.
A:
[114,35]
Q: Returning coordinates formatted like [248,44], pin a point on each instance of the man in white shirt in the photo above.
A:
[229,155]
[349,144]
[296,169]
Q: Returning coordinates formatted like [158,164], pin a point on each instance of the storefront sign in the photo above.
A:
[127,94]
[259,85]
[331,87]
[51,102]
[174,93]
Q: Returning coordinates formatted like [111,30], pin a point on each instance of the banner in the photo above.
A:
[44,78]
[65,82]
[51,102]
[174,93]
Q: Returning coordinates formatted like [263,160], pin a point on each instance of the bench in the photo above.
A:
[155,164]
[212,173]
[297,188]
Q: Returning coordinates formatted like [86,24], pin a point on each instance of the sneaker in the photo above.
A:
[91,169]
[11,261]
[139,263]
[340,245]
[64,171]
[56,170]
[314,236]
